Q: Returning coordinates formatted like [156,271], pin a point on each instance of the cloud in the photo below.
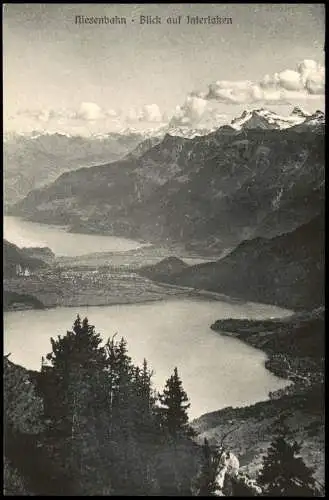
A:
[190,112]
[197,112]
[111,113]
[36,114]
[88,118]
[205,109]
[201,109]
[306,81]
[89,111]
[149,113]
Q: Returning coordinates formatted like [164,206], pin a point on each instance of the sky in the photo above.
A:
[94,78]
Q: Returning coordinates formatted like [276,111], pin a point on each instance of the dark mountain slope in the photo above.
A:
[42,253]
[287,270]
[33,161]
[211,192]
[13,256]
[164,268]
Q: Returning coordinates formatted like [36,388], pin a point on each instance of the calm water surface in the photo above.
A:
[217,371]
[32,234]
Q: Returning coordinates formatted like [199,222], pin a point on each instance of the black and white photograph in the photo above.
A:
[163,240]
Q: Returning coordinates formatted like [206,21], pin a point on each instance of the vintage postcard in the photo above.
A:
[164,249]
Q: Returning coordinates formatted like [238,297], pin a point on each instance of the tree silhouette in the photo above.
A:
[284,472]
[76,377]
[92,420]
[205,483]
[175,404]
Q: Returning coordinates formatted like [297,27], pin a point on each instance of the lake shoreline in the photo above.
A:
[299,368]
[197,250]
[168,333]
[182,293]
[300,405]
[271,363]
[255,419]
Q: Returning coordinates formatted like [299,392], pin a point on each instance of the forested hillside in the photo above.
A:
[90,423]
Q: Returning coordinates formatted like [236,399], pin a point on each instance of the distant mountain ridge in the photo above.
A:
[212,191]
[249,119]
[33,160]
[36,159]
[314,123]
[268,120]
[298,111]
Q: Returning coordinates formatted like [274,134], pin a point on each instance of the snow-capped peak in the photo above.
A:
[190,133]
[33,135]
[318,115]
[315,120]
[265,119]
[298,111]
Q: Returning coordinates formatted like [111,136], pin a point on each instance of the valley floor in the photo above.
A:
[72,287]
[91,285]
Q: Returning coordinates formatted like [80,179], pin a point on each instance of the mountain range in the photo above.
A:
[210,192]
[36,159]
[33,160]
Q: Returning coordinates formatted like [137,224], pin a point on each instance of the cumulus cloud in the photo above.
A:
[111,113]
[197,112]
[87,118]
[190,112]
[149,113]
[89,111]
[42,115]
[306,81]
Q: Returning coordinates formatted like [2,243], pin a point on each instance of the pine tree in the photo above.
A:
[102,436]
[143,398]
[120,372]
[175,404]
[75,393]
[23,408]
[284,472]
[205,483]
[132,423]
[76,376]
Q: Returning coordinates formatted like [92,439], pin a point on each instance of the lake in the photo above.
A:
[216,370]
[24,233]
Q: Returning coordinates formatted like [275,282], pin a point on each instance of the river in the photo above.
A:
[216,370]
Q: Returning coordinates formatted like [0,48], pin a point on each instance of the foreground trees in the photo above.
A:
[99,427]
[284,472]
[90,423]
